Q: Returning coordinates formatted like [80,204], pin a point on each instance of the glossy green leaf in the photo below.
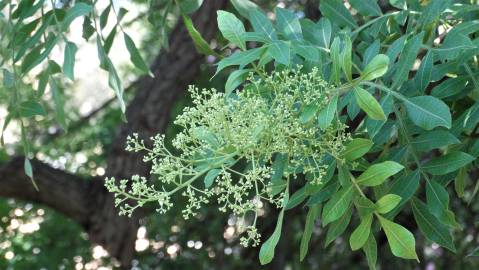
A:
[401,240]
[313,213]
[430,226]
[357,148]
[69,60]
[387,203]
[428,112]
[378,173]
[231,28]
[376,68]
[448,163]
[337,205]
[369,104]
[361,234]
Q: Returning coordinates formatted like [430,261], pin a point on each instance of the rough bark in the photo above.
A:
[87,201]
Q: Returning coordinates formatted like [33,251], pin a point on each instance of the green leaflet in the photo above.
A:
[401,241]
[262,24]
[357,148]
[79,9]
[240,58]
[378,173]
[428,112]
[200,44]
[338,226]
[337,205]
[288,24]
[231,28]
[448,163]
[361,234]
[313,213]
[59,103]
[370,249]
[433,139]
[337,12]
[30,108]
[266,253]
[189,6]
[376,68]
[210,177]
[406,61]
[281,52]
[135,56]
[366,7]
[387,203]
[369,104]
[327,114]
[430,226]
[424,73]
[69,60]
[235,79]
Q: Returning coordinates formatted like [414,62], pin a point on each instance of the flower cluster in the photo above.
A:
[230,142]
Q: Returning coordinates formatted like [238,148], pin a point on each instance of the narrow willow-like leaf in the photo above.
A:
[346,56]
[378,173]
[424,73]
[406,61]
[369,104]
[135,56]
[460,182]
[313,213]
[69,60]
[30,108]
[79,9]
[59,104]
[360,235]
[266,252]
[200,44]
[401,240]
[430,226]
[370,249]
[434,139]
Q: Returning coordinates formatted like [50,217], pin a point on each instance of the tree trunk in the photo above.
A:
[88,202]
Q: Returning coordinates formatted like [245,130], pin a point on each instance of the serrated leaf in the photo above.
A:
[313,213]
[361,234]
[401,240]
[430,226]
[69,60]
[387,203]
[135,56]
[376,68]
[369,104]
[428,112]
[231,28]
[378,173]
[448,163]
[337,205]
[326,115]
[356,148]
